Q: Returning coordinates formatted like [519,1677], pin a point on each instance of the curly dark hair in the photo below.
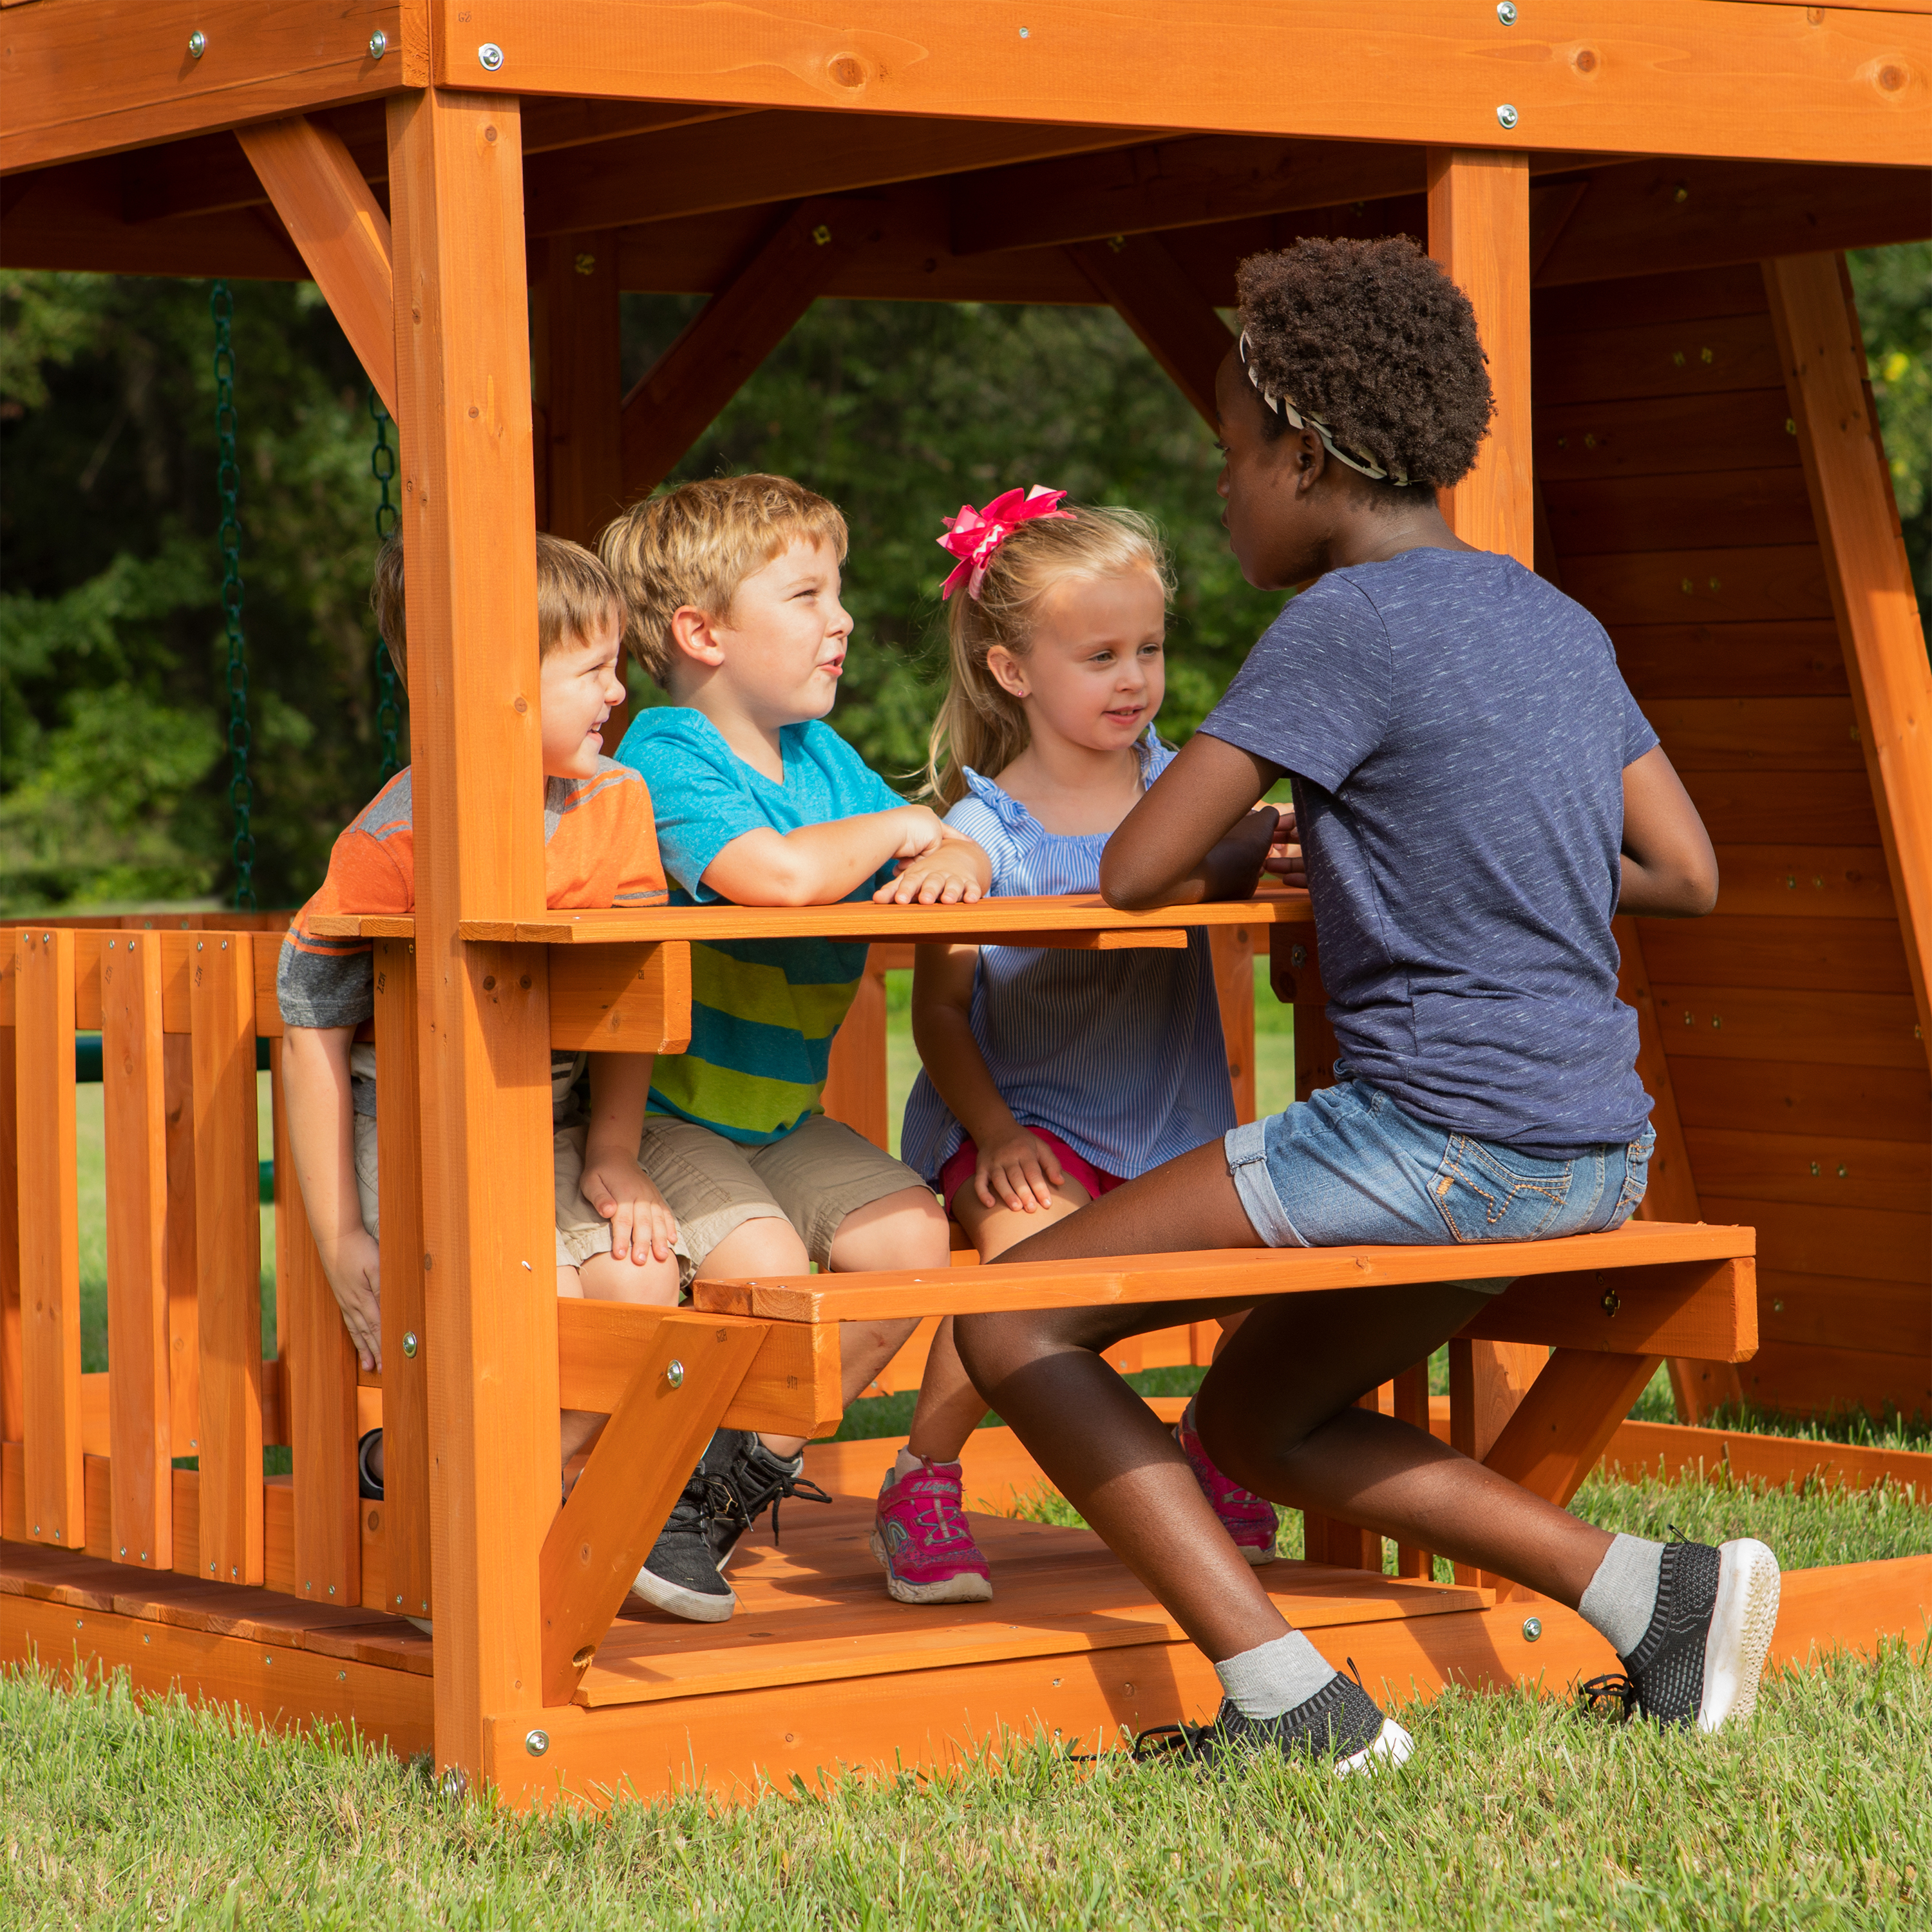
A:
[1372,338]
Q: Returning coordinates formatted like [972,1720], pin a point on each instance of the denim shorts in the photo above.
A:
[1348,1167]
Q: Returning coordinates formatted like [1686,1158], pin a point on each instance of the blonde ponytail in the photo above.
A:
[980,724]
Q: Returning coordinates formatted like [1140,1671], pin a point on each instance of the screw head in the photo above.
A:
[409,1342]
[1532,1629]
[1507,115]
[197,44]
[674,1374]
[1297,956]
[1506,13]
[536,1742]
[378,44]
[490,55]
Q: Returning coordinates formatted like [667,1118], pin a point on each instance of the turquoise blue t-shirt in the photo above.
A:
[763,1011]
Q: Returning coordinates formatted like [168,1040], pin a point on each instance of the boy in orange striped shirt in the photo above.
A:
[615,1238]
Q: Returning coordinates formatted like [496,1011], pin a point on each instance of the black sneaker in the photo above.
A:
[680,1575]
[1701,1658]
[753,1481]
[368,1485]
[1340,1721]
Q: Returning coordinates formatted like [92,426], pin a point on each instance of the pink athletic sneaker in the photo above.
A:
[920,1537]
[1249,1519]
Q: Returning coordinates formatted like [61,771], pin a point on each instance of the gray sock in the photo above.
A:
[1275,1677]
[1622,1594]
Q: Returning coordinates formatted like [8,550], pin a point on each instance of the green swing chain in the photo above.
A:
[228,484]
[382,467]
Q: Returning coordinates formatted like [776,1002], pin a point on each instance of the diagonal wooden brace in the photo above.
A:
[1565,1419]
[333,218]
[676,1397]
[1177,324]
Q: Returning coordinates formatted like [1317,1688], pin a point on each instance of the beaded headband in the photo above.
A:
[1358,460]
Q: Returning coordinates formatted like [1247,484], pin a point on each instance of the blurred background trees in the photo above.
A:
[113,698]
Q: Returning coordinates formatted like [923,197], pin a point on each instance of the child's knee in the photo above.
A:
[651,1283]
[765,1245]
[905,1229]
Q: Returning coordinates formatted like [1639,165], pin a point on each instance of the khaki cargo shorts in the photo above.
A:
[581,1232]
[820,1172]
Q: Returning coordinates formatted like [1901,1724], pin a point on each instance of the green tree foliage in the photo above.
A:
[113,697]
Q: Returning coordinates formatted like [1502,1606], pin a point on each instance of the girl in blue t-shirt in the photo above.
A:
[1475,796]
[1052,1075]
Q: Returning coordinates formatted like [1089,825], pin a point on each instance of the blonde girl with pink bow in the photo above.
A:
[1050,1076]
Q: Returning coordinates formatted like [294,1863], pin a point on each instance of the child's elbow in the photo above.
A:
[1123,889]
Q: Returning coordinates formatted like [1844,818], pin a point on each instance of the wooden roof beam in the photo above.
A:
[1176,324]
[1648,76]
[747,162]
[335,220]
[680,397]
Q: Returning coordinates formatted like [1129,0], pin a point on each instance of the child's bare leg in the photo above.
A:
[1274,1414]
[950,1407]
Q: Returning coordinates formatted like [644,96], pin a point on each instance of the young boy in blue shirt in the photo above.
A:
[733,584]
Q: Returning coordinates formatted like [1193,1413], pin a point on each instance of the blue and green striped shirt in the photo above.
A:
[763,1011]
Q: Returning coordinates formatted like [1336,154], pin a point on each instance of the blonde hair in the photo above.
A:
[575,593]
[980,724]
[695,546]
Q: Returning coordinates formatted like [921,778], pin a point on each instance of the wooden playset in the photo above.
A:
[1648,204]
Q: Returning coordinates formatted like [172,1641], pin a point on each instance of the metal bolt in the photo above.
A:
[1506,13]
[1026,33]
[144,1556]
[536,1742]
[674,1374]
[1507,115]
[1297,956]
[1611,1303]
[409,1342]
[1532,1629]
[585,264]
[378,44]
[124,1550]
[331,1589]
[821,236]
[491,56]
[1777,1308]
[197,44]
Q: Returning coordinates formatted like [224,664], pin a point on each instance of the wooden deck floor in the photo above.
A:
[820,1669]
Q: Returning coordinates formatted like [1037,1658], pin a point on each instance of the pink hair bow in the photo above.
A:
[973,535]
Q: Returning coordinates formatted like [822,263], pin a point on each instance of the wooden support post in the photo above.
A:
[1177,324]
[1696,1388]
[318,1391]
[406,1340]
[1411,1391]
[580,386]
[228,1248]
[1234,950]
[1817,325]
[12,1427]
[680,397]
[855,1079]
[1561,1427]
[134,1103]
[1487,1381]
[1479,231]
[183,1349]
[49,1239]
[679,1392]
[489,1245]
[336,222]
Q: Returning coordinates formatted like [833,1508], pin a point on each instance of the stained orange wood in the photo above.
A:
[790,1388]
[407,1342]
[580,386]
[1209,1275]
[1410,1404]
[133,1098]
[1234,953]
[1783,1096]
[1620,515]
[677,399]
[1811,1380]
[1664,437]
[1657,358]
[1479,233]
[1649,1448]
[1852,955]
[1752,584]
[657,1432]
[1886,1317]
[1573,1409]
[13,1420]
[1706,1310]
[1175,323]
[462,362]
[1793,881]
[109,74]
[48,1233]
[1868,1243]
[333,217]
[1748,1023]
[1738,808]
[1639,301]
[181,1246]
[316,1407]
[1869,577]
[1294,967]
[228,1254]
[1813,1170]
[630,999]
[1685,80]
[855,1078]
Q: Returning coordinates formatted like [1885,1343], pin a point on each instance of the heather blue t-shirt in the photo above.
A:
[1456,730]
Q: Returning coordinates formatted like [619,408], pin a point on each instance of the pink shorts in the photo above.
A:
[957,1172]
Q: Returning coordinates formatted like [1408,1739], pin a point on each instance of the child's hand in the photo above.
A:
[1020,1170]
[937,879]
[354,1272]
[1285,859]
[643,1228]
[921,829]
